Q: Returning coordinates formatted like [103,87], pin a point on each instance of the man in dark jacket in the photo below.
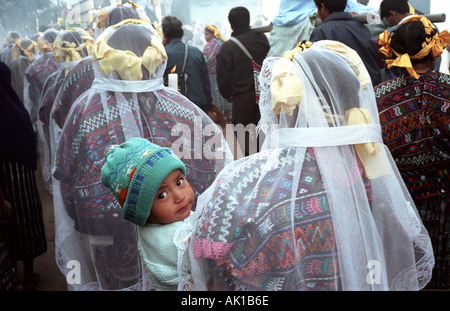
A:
[341,26]
[198,85]
[235,72]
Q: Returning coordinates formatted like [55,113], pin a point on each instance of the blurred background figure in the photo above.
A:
[23,54]
[414,116]
[214,42]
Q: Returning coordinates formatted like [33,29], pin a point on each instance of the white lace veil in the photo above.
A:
[127,99]
[322,206]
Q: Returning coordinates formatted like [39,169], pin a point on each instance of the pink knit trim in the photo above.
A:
[211,249]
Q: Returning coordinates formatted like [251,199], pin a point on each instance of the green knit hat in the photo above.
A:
[134,172]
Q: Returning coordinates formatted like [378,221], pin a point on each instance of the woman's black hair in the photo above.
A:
[409,37]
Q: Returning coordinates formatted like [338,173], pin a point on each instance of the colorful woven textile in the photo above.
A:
[210,51]
[255,251]
[78,80]
[415,119]
[35,75]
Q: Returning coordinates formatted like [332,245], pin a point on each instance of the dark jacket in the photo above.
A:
[342,27]
[199,88]
[234,68]
[17,137]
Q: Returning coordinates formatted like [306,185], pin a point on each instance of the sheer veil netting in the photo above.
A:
[322,206]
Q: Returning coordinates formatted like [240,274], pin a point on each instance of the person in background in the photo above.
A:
[214,42]
[80,77]
[235,75]
[6,52]
[24,53]
[70,46]
[395,12]
[198,87]
[25,236]
[414,116]
[38,71]
[341,26]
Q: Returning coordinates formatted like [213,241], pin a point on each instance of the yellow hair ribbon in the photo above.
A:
[286,89]
[434,45]
[29,52]
[130,21]
[289,91]
[68,51]
[11,40]
[353,60]
[369,153]
[158,29]
[216,32]
[134,5]
[300,47]
[101,18]
[127,64]
[45,46]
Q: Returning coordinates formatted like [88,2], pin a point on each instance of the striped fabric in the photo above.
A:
[25,235]
[414,115]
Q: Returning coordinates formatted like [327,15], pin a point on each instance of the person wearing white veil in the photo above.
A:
[322,206]
[127,99]
[23,55]
[38,71]
[69,47]
[80,77]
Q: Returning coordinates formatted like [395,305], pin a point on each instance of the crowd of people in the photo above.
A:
[342,183]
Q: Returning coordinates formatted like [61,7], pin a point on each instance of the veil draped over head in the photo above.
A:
[38,71]
[69,47]
[322,205]
[80,77]
[127,99]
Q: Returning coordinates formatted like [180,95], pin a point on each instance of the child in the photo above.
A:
[150,184]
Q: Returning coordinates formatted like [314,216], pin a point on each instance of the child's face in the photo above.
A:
[173,200]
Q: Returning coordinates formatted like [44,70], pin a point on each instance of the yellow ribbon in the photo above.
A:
[216,32]
[300,47]
[286,89]
[369,153]
[13,40]
[29,52]
[134,5]
[126,63]
[434,45]
[353,58]
[68,51]
[45,46]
